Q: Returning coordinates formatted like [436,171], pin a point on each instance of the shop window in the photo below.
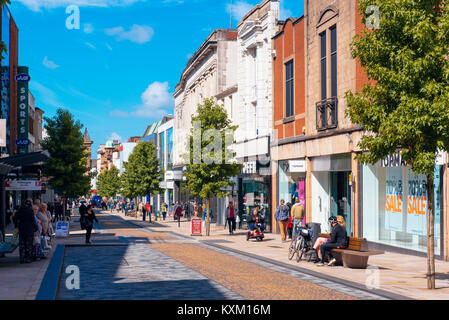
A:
[395,207]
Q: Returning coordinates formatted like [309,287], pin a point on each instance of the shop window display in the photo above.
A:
[395,207]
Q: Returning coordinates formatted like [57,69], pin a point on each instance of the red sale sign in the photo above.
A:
[196,227]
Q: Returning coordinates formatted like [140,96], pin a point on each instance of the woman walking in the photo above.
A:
[87,222]
[37,248]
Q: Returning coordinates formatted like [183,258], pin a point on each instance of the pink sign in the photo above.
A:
[301,192]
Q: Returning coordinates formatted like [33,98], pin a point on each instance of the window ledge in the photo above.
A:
[288,119]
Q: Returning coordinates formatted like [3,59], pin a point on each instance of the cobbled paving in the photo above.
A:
[135,272]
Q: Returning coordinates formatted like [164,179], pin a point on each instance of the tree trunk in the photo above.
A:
[430,233]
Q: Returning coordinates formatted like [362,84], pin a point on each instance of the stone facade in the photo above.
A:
[255,98]
[211,72]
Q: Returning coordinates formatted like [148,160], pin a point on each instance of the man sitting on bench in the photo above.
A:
[338,240]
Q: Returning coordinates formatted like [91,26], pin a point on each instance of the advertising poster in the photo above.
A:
[436,183]
[394,199]
[301,192]
[416,204]
[196,227]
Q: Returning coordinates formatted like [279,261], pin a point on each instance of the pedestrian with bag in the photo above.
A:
[25,222]
[87,222]
[282,215]
[37,253]
[297,214]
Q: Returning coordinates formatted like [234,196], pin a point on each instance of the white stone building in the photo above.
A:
[211,72]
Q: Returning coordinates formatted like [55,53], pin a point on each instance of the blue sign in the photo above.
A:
[23,77]
[22,142]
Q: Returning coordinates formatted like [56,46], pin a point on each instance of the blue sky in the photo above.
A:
[117,72]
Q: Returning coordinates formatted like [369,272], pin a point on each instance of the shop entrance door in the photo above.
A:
[341,198]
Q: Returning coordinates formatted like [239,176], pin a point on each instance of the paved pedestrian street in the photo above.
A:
[161,266]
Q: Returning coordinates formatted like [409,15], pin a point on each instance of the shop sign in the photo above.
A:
[196,227]
[394,199]
[22,142]
[249,167]
[23,77]
[22,108]
[394,160]
[417,204]
[23,185]
[62,229]
[297,166]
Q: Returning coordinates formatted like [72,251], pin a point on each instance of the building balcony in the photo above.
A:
[327,114]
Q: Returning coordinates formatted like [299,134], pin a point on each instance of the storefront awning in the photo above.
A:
[26,159]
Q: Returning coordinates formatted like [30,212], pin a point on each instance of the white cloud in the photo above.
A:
[156,100]
[90,45]
[49,64]
[115,136]
[88,28]
[37,5]
[239,9]
[108,46]
[190,55]
[45,96]
[137,34]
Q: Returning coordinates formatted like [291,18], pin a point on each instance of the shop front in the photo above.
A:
[332,190]
[395,205]
[292,181]
[254,191]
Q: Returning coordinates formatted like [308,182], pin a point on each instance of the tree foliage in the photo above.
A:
[66,165]
[405,105]
[142,174]
[3,47]
[204,178]
[108,183]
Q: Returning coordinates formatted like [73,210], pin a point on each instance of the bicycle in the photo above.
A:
[301,243]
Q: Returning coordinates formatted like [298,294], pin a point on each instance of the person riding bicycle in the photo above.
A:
[254,218]
[338,240]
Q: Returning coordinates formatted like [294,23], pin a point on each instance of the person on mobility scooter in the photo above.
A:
[256,226]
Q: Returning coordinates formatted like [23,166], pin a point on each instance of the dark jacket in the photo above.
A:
[58,209]
[83,209]
[339,235]
[251,218]
[25,221]
[88,219]
[282,213]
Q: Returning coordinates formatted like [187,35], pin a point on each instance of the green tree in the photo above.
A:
[142,174]
[66,166]
[404,108]
[108,183]
[209,161]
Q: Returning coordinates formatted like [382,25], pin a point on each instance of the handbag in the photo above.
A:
[36,240]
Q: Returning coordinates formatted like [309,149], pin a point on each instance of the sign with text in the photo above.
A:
[22,108]
[23,185]
[62,229]
[297,166]
[2,132]
[394,199]
[196,227]
[417,204]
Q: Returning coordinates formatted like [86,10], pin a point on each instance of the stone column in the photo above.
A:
[356,196]
[309,190]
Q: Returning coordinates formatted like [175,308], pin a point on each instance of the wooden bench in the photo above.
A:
[356,254]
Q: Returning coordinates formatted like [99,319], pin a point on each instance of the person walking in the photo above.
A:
[58,210]
[144,212]
[282,215]
[25,222]
[82,209]
[164,210]
[178,212]
[87,222]
[230,217]
[37,253]
[298,214]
